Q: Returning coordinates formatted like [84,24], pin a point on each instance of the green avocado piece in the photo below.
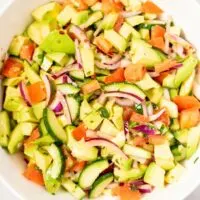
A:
[136,43]
[169,81]
[116,40]
[57,42]
[192,140]
[117,117]
[47,11]
[181,136]
[16,45]
[85,109]
[38,109]
[179,153]
[108,128]
[155,94]
[13,100]
[135,20]
[52,185]
[60,58]
[38,56]
[12,81]
[186,70]
[46,63]
[80,17]
[155,175]
[109,21]
[145,34]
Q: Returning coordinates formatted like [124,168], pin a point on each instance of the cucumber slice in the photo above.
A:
[42,128]
[77,75]
[53,127]
[100,184]
[74,107]
[5,128]
[52,185]
[91,172]
[125,87]
[68,88]
[56,168]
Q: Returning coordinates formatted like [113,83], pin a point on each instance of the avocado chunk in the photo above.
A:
[32,76]
[147,83]
[38,109]
[66,15]
[87,56]
[60,58]
[93,120]
[163,156]
[155,94]
[12,81]
[39,30]
[175,174]
[16,45]
[46,63]
[186,70]
[109,21]
[116,40]
[168,81]
[182,136]
[179,153]
[117,117]
[193,140]
[47,11]
[13,100]
[57,42]
[85,109]
[155,175]
[135,20]
[80,17]
[108,128]
[38,56]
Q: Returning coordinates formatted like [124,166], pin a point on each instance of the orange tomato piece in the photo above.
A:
[33,174]
[139,141]
[125,193]
[37,92]
[103,44]
[69,163]
[78,167]
[12,68]
[119,23]
[34,135]
[90,87]
[166,65]
[157,31]
[27,51]
[164,118]
[134,72]
[79,132]
[80,4]
[157,139]
[186,102]
[116,76]
[136,117]
[150,7]
[161,77]
[127,113]
[158,43]
[189,118]
[111,6]
[90,2]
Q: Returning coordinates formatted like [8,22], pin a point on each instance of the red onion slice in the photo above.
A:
[65,107]
[47,85]
[106,143]
[124,102]
[144,129]
[24,93]
[126,129]
[78,54]
[156,115]
[127,14]
[63,79]
[150,109]
[146,188]
[105,66]
[116,58]
[154,74]
[144,108]
[66,69]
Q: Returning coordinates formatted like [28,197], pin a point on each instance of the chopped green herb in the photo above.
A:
[104,112]
[196,160]
[138,108]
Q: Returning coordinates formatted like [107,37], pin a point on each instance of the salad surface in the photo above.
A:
[102,98]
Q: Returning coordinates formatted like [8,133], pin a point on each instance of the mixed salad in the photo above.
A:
[101,97]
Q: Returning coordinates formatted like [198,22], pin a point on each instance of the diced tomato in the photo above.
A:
[158,43]
[12,68]
[70,162]
[139,141]
[79,132]
[135,117]
[186,102]
[27,51]
[111,6]
[157,31]
[125,193]
[127,113]
[90,2]
[134,72]
[150,7]
[80,4]
[157,139]
[103,44]
[116,76]
[164,118]
[33,174]
[189,118]
[166,65]
[34,135]
[78,167]
[119,23]
[161,77]
[37,92]
[90,87]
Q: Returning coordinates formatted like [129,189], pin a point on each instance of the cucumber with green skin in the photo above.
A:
[68,88]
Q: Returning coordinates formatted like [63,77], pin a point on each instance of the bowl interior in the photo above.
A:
[13,20]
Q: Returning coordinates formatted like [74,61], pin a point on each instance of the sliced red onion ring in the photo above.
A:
[124,102]
[154,74]
[150,109]
[63,79]
[78,54]
[156,115]
[144,108]
[105,66]
[79,34]
[137,183]
[106,143]
[56,105]
[146,188]
[65,107]
[58,109]
[144,129]
[24,93]
[116,58]
[126,129]
[166,94]
[66,69]
[127,14]
[91,133]
[197,77]
[47,85]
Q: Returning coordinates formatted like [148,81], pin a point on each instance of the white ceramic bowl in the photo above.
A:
[13,20]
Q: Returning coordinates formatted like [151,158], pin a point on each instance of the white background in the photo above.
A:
[5,194]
